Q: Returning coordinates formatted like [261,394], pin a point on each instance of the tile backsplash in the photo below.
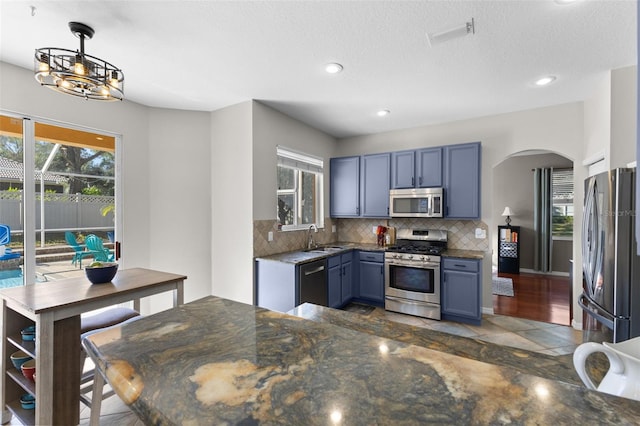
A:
[461,233]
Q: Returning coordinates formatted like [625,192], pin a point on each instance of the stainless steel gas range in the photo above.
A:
[412,272]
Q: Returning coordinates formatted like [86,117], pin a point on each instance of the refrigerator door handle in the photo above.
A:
[602,316]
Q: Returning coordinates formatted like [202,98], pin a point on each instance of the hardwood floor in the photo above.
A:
[537,297]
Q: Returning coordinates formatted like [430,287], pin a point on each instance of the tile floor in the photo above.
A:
[535,336]
[546,338]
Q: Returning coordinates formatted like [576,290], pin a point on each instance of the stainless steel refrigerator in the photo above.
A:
[610,264]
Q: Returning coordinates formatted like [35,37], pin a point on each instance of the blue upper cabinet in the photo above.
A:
[429,168]
[417,169]
[374,193]
[403,169]
[345,187]
[462,181]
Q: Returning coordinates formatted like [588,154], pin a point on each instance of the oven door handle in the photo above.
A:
[413,264]
[403,300]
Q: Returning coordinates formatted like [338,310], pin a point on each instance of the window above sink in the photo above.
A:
[300,190]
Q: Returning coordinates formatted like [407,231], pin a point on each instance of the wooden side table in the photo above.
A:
[54,308]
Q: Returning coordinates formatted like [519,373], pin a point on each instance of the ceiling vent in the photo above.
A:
[446,35]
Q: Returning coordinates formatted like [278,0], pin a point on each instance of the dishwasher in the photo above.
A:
[313,283]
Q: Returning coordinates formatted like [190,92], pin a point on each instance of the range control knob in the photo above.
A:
[410,256]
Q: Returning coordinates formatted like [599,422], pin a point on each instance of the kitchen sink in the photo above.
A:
[325,249]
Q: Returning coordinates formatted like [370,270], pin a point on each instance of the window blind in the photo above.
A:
[297,160]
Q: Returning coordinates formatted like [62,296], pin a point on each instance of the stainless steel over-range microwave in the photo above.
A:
[416,202]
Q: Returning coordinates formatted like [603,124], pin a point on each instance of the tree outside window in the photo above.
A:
[299,180]
[562,208]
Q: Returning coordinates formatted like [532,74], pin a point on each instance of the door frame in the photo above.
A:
[29,217]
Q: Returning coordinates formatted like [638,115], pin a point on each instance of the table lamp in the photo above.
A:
[508,212]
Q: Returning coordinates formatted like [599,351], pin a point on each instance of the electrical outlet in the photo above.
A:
[270,236]
[333,229]
[374,229]
[481,233]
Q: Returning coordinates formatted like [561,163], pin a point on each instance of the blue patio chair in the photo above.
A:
[80,251]
[101,253]
[5,239]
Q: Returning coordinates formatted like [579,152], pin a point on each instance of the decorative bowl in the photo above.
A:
[19,358]
[101,272]
[29,369]
[29,333]
[28,401]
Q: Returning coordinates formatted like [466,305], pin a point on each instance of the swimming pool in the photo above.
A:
[11,278]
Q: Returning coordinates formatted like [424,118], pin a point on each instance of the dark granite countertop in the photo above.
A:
[468,254]
[304,256]
[215,361]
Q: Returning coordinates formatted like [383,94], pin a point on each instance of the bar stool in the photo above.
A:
[89,381]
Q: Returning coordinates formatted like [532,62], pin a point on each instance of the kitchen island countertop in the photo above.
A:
[215,361]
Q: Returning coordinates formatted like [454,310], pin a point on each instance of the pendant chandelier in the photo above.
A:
[76,73]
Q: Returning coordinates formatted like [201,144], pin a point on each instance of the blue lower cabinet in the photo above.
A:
[461,290]
[340,279]
[371,268]
[334,278]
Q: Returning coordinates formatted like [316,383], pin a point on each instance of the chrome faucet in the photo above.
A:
[310,243]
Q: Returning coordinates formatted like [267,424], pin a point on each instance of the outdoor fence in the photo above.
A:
[61,211]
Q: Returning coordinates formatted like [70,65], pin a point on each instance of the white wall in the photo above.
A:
[272,128]
[597,124]
[180,199]
[557,129]
[232,203]
[623,116]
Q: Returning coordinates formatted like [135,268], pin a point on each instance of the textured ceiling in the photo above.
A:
[205,55]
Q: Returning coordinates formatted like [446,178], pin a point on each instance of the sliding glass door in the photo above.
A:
[12,136]
[57,185]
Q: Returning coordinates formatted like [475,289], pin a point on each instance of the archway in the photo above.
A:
[513,186]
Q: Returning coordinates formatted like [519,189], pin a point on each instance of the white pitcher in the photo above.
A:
[623,377]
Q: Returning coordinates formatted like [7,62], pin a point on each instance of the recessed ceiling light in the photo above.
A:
[565,1]
[383,112]
[333,68]
[545,80]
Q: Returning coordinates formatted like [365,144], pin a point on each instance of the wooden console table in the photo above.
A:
[55,308]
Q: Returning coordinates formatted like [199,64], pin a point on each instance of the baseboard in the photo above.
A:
[576,324]
[556,273]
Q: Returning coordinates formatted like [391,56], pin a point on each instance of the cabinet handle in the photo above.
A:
[460,266]
[420,181]
[343,268]
[413,181]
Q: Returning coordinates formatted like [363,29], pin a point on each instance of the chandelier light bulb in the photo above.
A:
[78,68]
[43,67]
